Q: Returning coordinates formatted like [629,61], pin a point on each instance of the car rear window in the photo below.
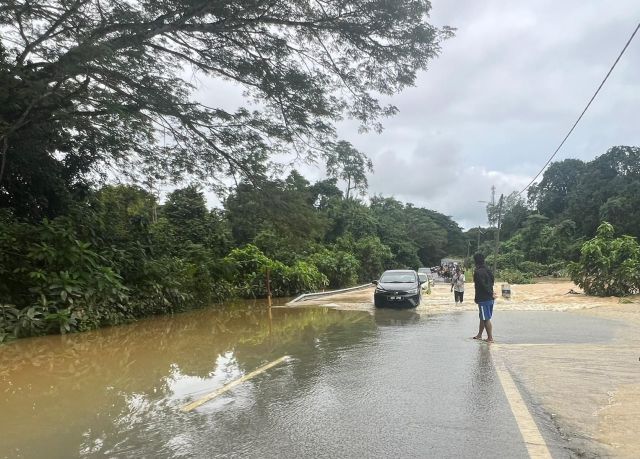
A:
[398,277]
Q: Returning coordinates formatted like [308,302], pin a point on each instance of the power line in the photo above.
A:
[583,111]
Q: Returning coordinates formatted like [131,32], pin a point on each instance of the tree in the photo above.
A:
[550,196]
[277,210]
[123,221]
[611,175]
[324,192]
[514,215]
[608,265]
[350,165]
[374,257]
[186,212]
[106,78]
[621,210]
[534,238]
[184,205]
[452,242]
[340,267]
[350,217]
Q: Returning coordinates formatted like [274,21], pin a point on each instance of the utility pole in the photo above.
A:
[269,299]
[478,249]
[496,250]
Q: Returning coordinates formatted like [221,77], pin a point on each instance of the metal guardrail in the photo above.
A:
[306,296]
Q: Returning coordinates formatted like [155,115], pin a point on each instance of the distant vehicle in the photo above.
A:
[430,272]
[424,281]
[397,288]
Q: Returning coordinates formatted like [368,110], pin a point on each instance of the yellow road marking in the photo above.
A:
[536,446]
[211,395]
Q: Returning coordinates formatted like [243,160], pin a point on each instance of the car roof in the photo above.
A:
[399,271]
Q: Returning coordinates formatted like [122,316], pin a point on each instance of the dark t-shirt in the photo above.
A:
[483,280]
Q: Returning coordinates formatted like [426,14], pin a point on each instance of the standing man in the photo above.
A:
[457,285]
[483,281]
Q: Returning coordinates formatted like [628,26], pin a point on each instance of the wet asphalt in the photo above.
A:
[414,387]
[418,388]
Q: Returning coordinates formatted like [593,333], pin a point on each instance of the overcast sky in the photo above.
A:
[497,102]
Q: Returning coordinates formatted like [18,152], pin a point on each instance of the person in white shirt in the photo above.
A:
[457,285]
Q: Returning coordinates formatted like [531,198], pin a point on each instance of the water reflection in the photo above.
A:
[109,391]
[395,317]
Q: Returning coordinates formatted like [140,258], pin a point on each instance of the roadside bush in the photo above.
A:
[50,281]
[507,260]
[248,267]
[513,276]
[165,288]
[374,257]
[304,277]
[536,269]
[608,266]
[340,267]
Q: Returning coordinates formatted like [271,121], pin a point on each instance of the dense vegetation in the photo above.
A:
[563,211]
[118,254]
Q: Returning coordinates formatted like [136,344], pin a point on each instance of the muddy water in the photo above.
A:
[111,391]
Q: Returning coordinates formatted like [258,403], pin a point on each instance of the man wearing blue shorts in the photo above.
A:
[483,281]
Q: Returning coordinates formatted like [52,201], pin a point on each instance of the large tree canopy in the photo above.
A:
[92,85]
[606,188]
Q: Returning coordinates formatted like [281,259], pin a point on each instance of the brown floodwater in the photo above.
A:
[99,393]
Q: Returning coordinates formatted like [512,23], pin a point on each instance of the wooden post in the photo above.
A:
[269,300]
[268,290]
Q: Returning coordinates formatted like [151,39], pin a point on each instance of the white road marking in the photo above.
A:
[211,395]
[536,446]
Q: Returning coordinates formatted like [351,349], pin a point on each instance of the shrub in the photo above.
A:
[304,277]
[608,266]
[340,267]
[248,267]
[373,256]
[534,268]
[55,282]
[513,276]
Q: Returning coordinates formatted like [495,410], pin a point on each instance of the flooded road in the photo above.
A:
[359,383]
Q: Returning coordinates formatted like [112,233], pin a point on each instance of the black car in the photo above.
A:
[397,288]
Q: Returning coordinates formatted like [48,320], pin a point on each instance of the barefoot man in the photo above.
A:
[483,281]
